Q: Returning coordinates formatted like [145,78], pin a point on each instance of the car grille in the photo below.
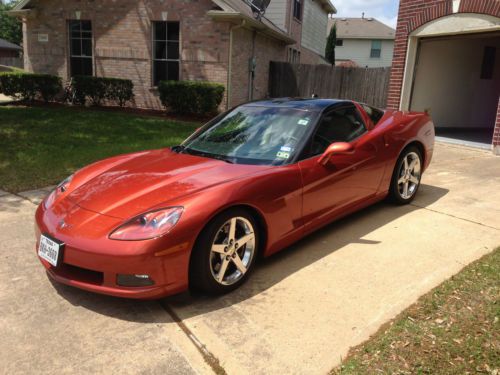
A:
[83,275]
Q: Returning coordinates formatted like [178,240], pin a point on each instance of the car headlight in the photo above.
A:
[148,225]
[60,189]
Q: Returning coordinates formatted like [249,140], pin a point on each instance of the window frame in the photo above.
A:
[305,154]
[339,43]
[377,55]
[154,84]
[70,40]
[297,9]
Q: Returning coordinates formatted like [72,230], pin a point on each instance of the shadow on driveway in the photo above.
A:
[269,272]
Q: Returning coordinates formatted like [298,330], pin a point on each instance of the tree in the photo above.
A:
[10,27]
[331,41]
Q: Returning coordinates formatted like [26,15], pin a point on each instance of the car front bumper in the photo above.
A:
[91,261]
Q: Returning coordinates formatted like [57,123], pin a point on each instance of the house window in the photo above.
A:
[297,9]
[376,49]
[165,51]
[80,46]
[339,42]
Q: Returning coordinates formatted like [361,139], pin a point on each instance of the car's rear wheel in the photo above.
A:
[406,177]
[225,252]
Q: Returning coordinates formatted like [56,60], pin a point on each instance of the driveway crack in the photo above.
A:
[209,358]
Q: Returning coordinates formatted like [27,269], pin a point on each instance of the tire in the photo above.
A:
[214,252]
[406,176]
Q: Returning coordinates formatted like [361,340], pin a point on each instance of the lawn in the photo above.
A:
[454,329]
[41,146]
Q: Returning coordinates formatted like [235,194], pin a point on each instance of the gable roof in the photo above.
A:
[361,28]
[8,45]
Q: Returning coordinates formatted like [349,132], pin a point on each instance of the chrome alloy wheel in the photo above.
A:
[232,250]
[409,175]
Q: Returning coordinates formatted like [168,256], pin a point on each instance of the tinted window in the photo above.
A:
[80,42]
[165,51]
[341,125]
[375,114]
[253,135]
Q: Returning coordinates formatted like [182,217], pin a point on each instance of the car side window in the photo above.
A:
[340,125]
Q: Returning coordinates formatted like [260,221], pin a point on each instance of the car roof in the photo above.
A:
[311,104]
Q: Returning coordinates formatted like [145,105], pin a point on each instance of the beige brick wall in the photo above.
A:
[266,50]
[122,40]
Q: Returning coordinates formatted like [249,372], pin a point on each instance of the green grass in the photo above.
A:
[454,329]
[41,146]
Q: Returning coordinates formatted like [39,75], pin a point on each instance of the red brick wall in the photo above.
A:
[496,133]
[412,15]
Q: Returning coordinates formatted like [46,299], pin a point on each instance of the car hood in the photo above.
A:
[138,182]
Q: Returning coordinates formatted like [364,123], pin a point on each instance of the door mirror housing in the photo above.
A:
[337,148]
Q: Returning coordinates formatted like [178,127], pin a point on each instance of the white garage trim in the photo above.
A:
[455,24]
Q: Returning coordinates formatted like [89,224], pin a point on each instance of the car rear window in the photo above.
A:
[375,114]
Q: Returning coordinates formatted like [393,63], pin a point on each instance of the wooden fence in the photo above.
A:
[366,85]
[12,61]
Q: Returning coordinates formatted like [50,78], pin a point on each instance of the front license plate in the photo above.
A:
[50,250]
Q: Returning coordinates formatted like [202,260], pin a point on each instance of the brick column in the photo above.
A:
[496,132]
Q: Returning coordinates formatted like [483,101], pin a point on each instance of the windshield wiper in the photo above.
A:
[178,149]
[206,155]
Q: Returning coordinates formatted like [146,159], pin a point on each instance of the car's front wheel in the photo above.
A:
[406,177]
[225,252]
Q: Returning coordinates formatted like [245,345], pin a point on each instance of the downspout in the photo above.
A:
[251,68]
[230,62]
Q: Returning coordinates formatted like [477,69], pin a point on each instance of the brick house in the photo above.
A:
[152,40]
[365,41]
[447,60]
[8,49]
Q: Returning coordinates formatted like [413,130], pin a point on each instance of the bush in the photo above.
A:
[29,86]
[191,97]
[98,89]
[120,90]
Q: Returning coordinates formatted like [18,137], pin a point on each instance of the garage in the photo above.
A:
[447,61]
[457,80]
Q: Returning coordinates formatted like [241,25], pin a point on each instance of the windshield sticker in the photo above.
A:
[303,121]
[286,148]
[283,155]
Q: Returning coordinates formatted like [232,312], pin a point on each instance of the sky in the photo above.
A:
[385,11]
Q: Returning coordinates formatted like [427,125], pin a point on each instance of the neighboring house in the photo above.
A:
[447,61]
[8,49]
[366,41]
[152,40]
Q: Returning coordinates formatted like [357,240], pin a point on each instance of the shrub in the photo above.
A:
[29,86]
[98,89]
[120,90]
[88,87]
[48,86]
[191,97]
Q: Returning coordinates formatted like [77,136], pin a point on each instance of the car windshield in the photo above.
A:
[253,135]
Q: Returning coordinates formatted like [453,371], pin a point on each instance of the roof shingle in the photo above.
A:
[361,28]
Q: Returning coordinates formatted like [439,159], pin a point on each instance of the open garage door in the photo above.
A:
[457,79]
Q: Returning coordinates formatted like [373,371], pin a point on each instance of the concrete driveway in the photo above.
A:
[299,313]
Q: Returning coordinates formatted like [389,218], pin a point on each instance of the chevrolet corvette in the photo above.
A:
[248,183]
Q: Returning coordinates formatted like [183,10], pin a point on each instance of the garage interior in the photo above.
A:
[457,79]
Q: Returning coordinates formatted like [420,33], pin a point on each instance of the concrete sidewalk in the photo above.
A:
[300,311]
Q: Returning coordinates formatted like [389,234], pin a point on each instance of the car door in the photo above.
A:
[348,179]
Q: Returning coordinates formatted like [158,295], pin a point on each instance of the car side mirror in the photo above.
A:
[337,148]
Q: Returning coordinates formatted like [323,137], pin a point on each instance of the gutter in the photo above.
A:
[250,23]
[27,13]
